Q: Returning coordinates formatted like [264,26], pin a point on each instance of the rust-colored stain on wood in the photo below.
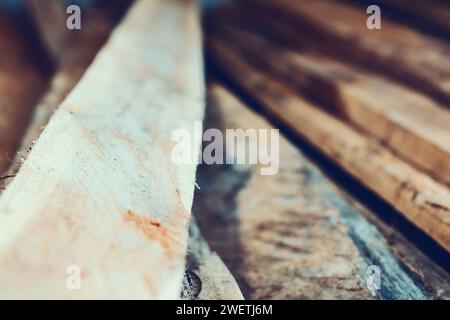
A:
[155,231]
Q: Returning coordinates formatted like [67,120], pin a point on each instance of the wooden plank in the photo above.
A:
[432,13]
[99,190]
[294,235]
[419,198]
[216,281]
[21,83]
[72,52]
[395,50]
[413,125]
[433,278]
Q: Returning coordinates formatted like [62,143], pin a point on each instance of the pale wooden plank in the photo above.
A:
[419,198]
[216,281]
[294,235]
[412,124]
[395,50]
[99,189]
[21,83]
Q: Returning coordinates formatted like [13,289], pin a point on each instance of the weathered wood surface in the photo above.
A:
[207,277]
[413,125]
[215,280]
[419,198]
[431,277]
[293,235]
[395,50]
[22,81]
[99,189]
[72,51]
[430,13]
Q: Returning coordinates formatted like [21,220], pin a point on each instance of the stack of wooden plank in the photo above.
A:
[373,102]
[93,206]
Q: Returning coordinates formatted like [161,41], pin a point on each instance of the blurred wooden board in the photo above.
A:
[432,13]
[419,198]
[22,81]
[74,47]
[294,235]
[99,189]
[411,124]
[396,50]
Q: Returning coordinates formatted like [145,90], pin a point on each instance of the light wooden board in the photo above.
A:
[419,198]
[99,189]
[395,50]
[294,235]
[413,125]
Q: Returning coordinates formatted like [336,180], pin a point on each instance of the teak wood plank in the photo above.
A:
[412,124]
[99,190]
[292,235]
[395,50]
[22,81]
[423,201]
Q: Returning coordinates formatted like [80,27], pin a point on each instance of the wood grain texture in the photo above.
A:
[293,235]
[99,189]
[395,50]
[431,277]
[419,198]
[77,50]
[411,124]
[216,281]
[432,13]
[22,81]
